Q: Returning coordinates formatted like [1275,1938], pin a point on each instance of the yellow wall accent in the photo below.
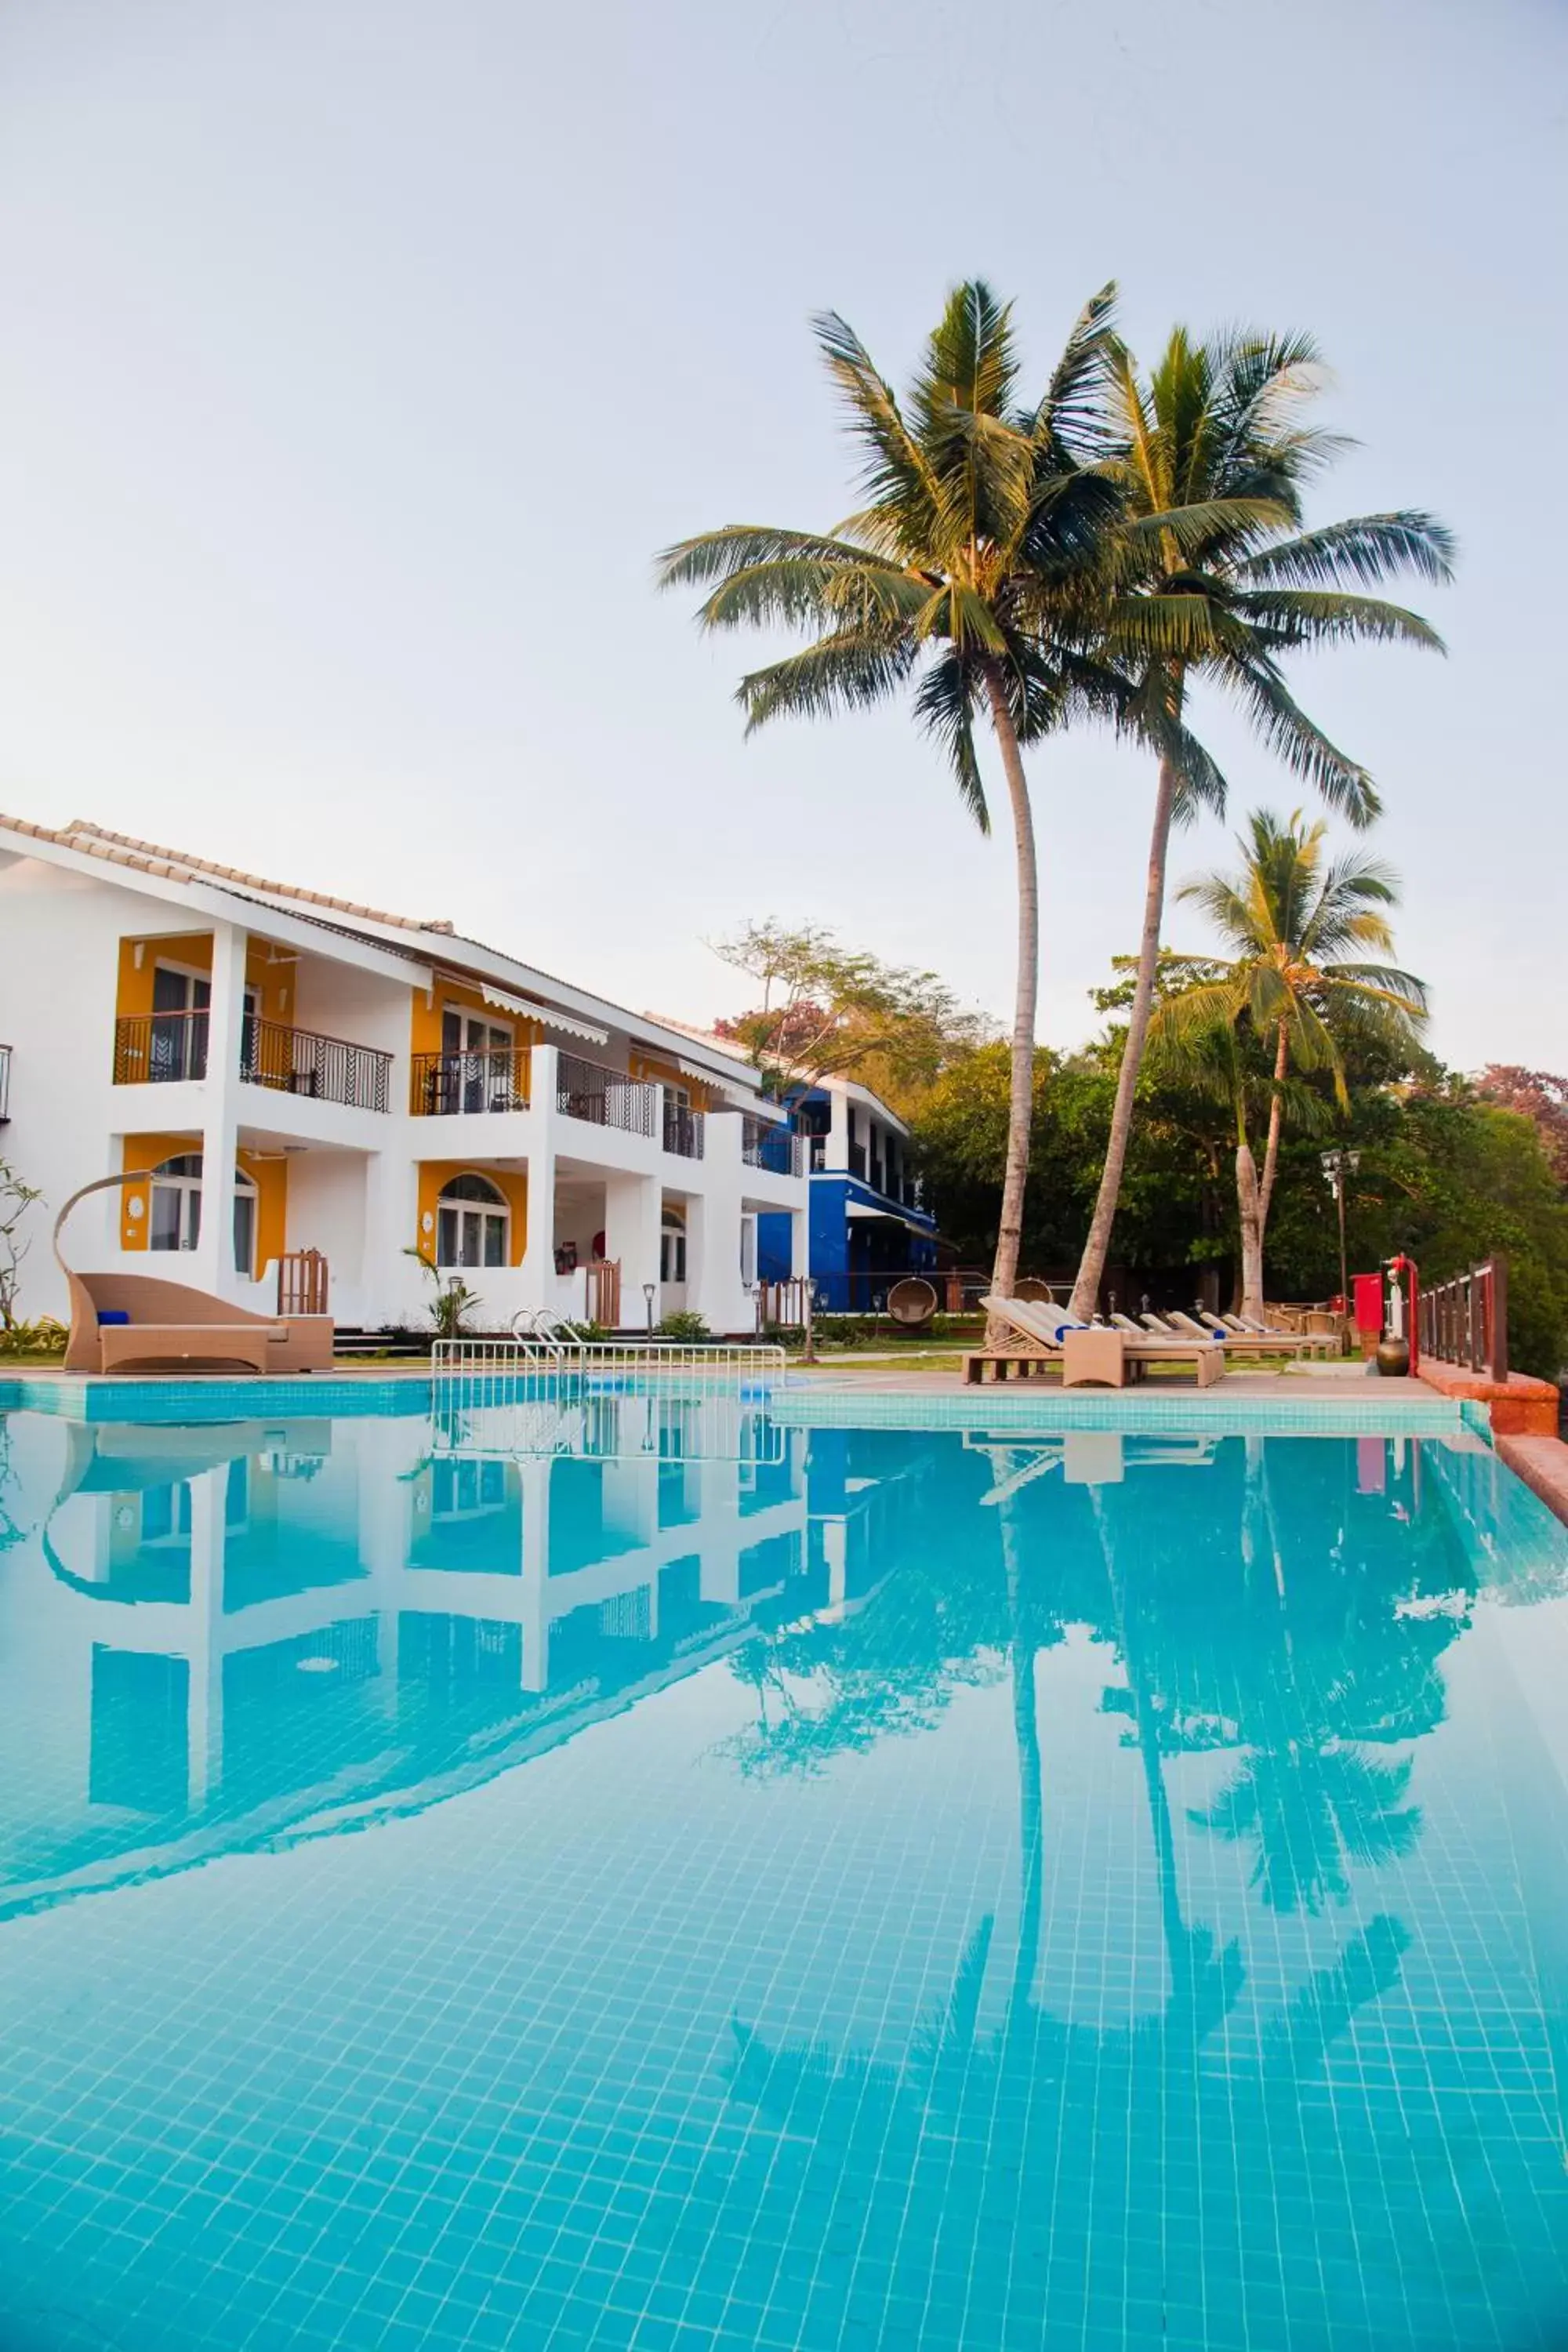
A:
[426,1037]
[193,951]
[270,1176]
[512,1182]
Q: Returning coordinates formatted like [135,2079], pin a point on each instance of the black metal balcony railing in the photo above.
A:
[153,1048]
[683,1131]
[161,1048]
[300,1062]
[447,1083]
[774,1148]
[857,1161]
[5,1084]
[605,1098]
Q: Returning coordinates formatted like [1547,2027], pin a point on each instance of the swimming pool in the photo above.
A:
[653,1873]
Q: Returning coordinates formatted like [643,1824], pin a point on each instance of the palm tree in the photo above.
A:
[1219,427]
[1303,929]
[977,572]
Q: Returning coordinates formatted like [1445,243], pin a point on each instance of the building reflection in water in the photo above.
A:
[260,1629]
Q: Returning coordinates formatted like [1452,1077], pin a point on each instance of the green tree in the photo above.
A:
[1302,931]
[977,570]
[1218,432]
[825,1010]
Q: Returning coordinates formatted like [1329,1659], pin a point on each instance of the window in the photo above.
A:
[174,1221]
[473,1223]
[672,1247]
[748,1251]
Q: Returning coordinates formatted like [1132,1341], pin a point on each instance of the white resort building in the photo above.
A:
[370,1086]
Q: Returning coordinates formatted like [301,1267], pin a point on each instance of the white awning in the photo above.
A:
[741,1097]
[524,1011]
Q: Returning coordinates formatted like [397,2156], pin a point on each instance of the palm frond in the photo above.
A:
[1367,550]
[1326,616]
[737,547]
[1199,526]
[850,669]
[1071,423]
[896,470]
[1301,746]
[944,705]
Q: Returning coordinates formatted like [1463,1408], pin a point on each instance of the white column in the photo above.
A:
[390,1287]
[209,1534]
[837,1129]
[713,1286]
[536,1274]
[211,1263]
[535,1613]
[800,1241]
[632,1206]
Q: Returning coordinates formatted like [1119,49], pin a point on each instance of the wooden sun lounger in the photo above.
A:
[1256,1343]
[1083,1355]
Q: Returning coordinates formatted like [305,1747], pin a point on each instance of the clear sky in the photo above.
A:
[358,354]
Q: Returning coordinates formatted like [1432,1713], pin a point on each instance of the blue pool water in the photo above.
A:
[658,1874]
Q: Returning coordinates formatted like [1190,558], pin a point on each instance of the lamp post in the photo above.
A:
[1337,1165]
[647,1290]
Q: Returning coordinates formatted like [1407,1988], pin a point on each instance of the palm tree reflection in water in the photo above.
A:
[1232,1633]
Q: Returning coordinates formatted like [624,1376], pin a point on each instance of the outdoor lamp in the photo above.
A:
[647,1290]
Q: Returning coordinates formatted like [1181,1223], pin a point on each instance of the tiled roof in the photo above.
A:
[91,840]
[98,842]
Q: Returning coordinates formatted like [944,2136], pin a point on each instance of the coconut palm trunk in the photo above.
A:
[1021,1096]
[1096,1248]
[1276,1121]
[1250,1210]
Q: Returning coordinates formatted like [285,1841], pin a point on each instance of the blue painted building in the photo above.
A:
[866,1228]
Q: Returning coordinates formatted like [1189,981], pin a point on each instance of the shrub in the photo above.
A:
[43,1338]
[683,1326]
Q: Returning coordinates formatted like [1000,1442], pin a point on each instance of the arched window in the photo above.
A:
[673,1246]
[174,1221]
[473,1223]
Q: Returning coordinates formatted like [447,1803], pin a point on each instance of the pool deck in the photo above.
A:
[1329,1388]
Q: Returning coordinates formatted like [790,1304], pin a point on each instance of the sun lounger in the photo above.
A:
[1251,1340]
[140,1319]
[1036,1341]
[158,1322]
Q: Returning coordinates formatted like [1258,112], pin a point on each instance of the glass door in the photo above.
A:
[476,1062]
[177,1045]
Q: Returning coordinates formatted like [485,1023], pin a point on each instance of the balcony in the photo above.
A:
[604,1097]
[444,1083]
[683,1131]
[773,1148]
[161,1048]
[164,1048]
[300,1062]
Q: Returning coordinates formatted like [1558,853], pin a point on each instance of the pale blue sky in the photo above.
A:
[359,354]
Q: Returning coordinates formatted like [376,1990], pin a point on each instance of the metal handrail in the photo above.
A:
[304,1062]
[683,1131]
[605,1098]
[448,1083]
[161,1048]
[493,1357]
[166,1048]
[774,1148]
